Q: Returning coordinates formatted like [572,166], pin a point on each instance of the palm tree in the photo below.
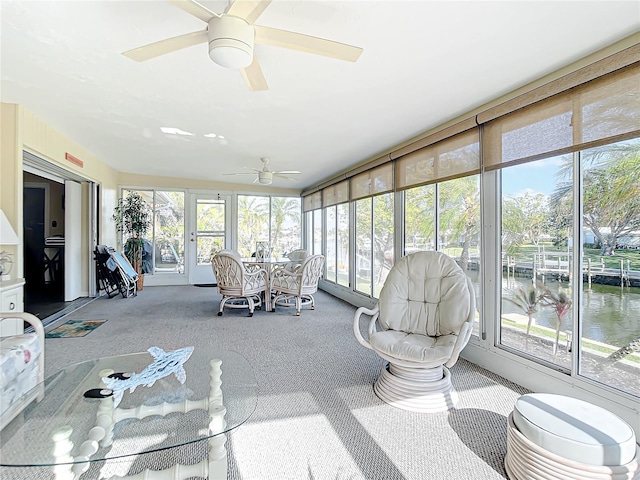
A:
[527,300]
[561,304]
[611,206]
[283,209]
[253,222]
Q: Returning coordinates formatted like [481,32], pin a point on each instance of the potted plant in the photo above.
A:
[132,217]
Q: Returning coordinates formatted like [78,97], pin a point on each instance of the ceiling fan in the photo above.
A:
[232,34]
[265,176]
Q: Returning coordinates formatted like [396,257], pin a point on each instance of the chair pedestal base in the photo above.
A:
[425,390]
[526,460]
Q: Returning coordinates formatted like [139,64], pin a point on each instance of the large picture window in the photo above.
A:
[277,220]
[164,244]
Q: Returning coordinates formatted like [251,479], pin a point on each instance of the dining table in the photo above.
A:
[269,264]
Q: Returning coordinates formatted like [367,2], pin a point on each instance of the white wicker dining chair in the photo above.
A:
[296,257]
[239,287]
[296,287]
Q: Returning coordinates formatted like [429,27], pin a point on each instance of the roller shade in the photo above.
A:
[336,193]
[602,111]
[372,182]
[312,202]
[454,157]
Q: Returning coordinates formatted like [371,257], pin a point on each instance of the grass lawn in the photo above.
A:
[549,333]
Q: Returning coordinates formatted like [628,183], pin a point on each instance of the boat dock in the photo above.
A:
[559,265]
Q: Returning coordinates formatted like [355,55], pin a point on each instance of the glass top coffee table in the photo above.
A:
[70,432]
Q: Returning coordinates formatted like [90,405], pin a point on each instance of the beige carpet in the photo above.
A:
[317,415]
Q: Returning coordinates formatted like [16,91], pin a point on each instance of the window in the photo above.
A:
[459,228]
[342,247]
[313,228]
[168,232]
[317,232]
[383,244]
[611,259]
[330,253]
[164,243]
[419,219]
[537,220]
[253,223]
[374,242]
[268,219]
[363,260]
[286,225]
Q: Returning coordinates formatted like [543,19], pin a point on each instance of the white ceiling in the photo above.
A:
[424,63]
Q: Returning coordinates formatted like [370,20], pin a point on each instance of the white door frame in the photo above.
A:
[39,166]
[72,241]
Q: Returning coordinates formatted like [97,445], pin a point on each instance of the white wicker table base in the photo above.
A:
[213,468]
[527,461]
[425,390]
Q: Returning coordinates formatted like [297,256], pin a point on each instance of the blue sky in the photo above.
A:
[533,177]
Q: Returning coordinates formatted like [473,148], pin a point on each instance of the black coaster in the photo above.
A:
[98,393]
[120,375]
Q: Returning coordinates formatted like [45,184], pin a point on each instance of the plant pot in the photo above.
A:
[140,282]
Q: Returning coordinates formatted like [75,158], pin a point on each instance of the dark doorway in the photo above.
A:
[43,272]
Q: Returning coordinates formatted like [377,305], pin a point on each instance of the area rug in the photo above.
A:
[74,328]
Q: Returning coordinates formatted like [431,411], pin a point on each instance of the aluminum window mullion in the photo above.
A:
[436,215]
[577,284]
[371,246]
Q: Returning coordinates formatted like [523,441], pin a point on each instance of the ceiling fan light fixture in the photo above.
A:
[230,42]
[265,178]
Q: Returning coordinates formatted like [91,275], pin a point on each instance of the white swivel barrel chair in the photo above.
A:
[296,287]
[421,323]
[239,287]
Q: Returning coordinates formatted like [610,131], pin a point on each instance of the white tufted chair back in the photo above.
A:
[425,293]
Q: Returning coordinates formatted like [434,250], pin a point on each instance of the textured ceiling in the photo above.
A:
[424,63]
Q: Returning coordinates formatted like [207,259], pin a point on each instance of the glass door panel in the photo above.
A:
[208,236]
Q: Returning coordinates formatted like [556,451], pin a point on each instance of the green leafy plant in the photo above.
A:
[132,217]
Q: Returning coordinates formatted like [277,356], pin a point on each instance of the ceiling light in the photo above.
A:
[174,131]
[265,178]
[230,41]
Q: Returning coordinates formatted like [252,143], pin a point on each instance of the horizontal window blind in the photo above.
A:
[312,201]
[602,111]
[454,157]
[336,193]
[372,182]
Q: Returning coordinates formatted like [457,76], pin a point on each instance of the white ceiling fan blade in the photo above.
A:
[195,9]
[291,179]
[253,77]
[306,43]
[250,10]
[288,172]
[168,45]
[239,173]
